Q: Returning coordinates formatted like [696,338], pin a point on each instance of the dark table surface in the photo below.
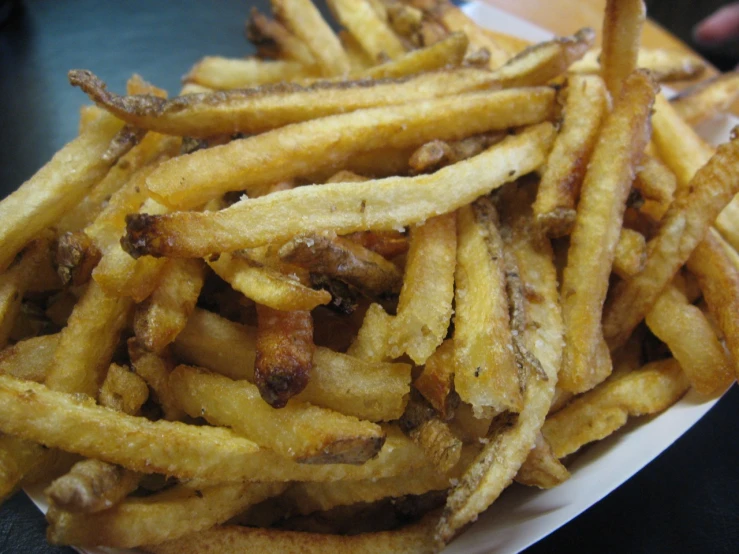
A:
[687,500]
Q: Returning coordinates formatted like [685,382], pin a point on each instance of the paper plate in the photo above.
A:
[523,515]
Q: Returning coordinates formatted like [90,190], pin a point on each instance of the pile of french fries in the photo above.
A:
[339,295]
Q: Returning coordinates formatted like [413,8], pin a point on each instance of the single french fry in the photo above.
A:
[387,204]
[42,200]
[284,354]
[599,219]
[266,285]
[371,341]
[18,458]
[559,188]
[76,257]
[681,230]
[163,516]
[378,392]
[387,244]
[155,369]
[439,443]
[368,28]
[220,73]
[622,25]
[600,412]
[345,260]
[272,37]
[92,486]
[436,380]
[630,255]
[425,304]
[707,98]
[290,152]
[412,539]
[542,469]
[664,65]
[359,60]
[87,343]
[448,52]
[298,431]
[29,359]
[161,317]
[306,22]
[485,370]
[688,334]
[718,276]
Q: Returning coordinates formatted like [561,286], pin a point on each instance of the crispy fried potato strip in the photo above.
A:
[485,370]
[425,304]
[599,219]
[600,412]
[370,344]
[436,380]
[622,24]
[158,518]
[42,200]
[584,109]
[681,230]
[368,28]
[260,161]
[123,390]
[657,185]
[707,98]
[155,369]
[542,469]
[284,354]
[448,52]
[29,359]
[272,39]
[377,205]
[230,73]
[630,255]
[305,433]
[664,65]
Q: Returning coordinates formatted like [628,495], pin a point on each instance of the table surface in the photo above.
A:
[687,500]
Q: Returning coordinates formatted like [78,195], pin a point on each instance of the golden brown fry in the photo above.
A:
[412,539]
[220,73]
[155,369]
[688,334]
[284,354]
[539,64]
[435,382]
[371,341]
[387,244]
[29,359]
[664,65]
[682,228]
[368,28]
[268,107]
[273,40]
[87,343]
[679,146]
[435,154]
[600,211]
[375,205]
[718,275]
[439,443]
[542,469]
[266,285]
[305,21]
[299,431]
[18,458]
[359,60]
[283,154]
[707,98]
[42,200]
[630,255]
[344,260]
[161,317]
[600,412]
[76,257]
[378,390]
[425,304]
[622,25]
[584,110]
[448,52]
[163,516]
[657,185]
[92,486]
[123,390]
[485,370]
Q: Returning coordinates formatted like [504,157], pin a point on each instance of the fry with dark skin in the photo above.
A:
[76,257]
[284,354]
[345,260]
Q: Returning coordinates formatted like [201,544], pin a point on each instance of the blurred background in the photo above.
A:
[684,501]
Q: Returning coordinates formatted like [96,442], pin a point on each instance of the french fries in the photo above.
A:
[326,298]
[189,181]
[602,199]
[707,98]
[664,65]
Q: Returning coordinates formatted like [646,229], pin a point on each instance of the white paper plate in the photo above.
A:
[523,515]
